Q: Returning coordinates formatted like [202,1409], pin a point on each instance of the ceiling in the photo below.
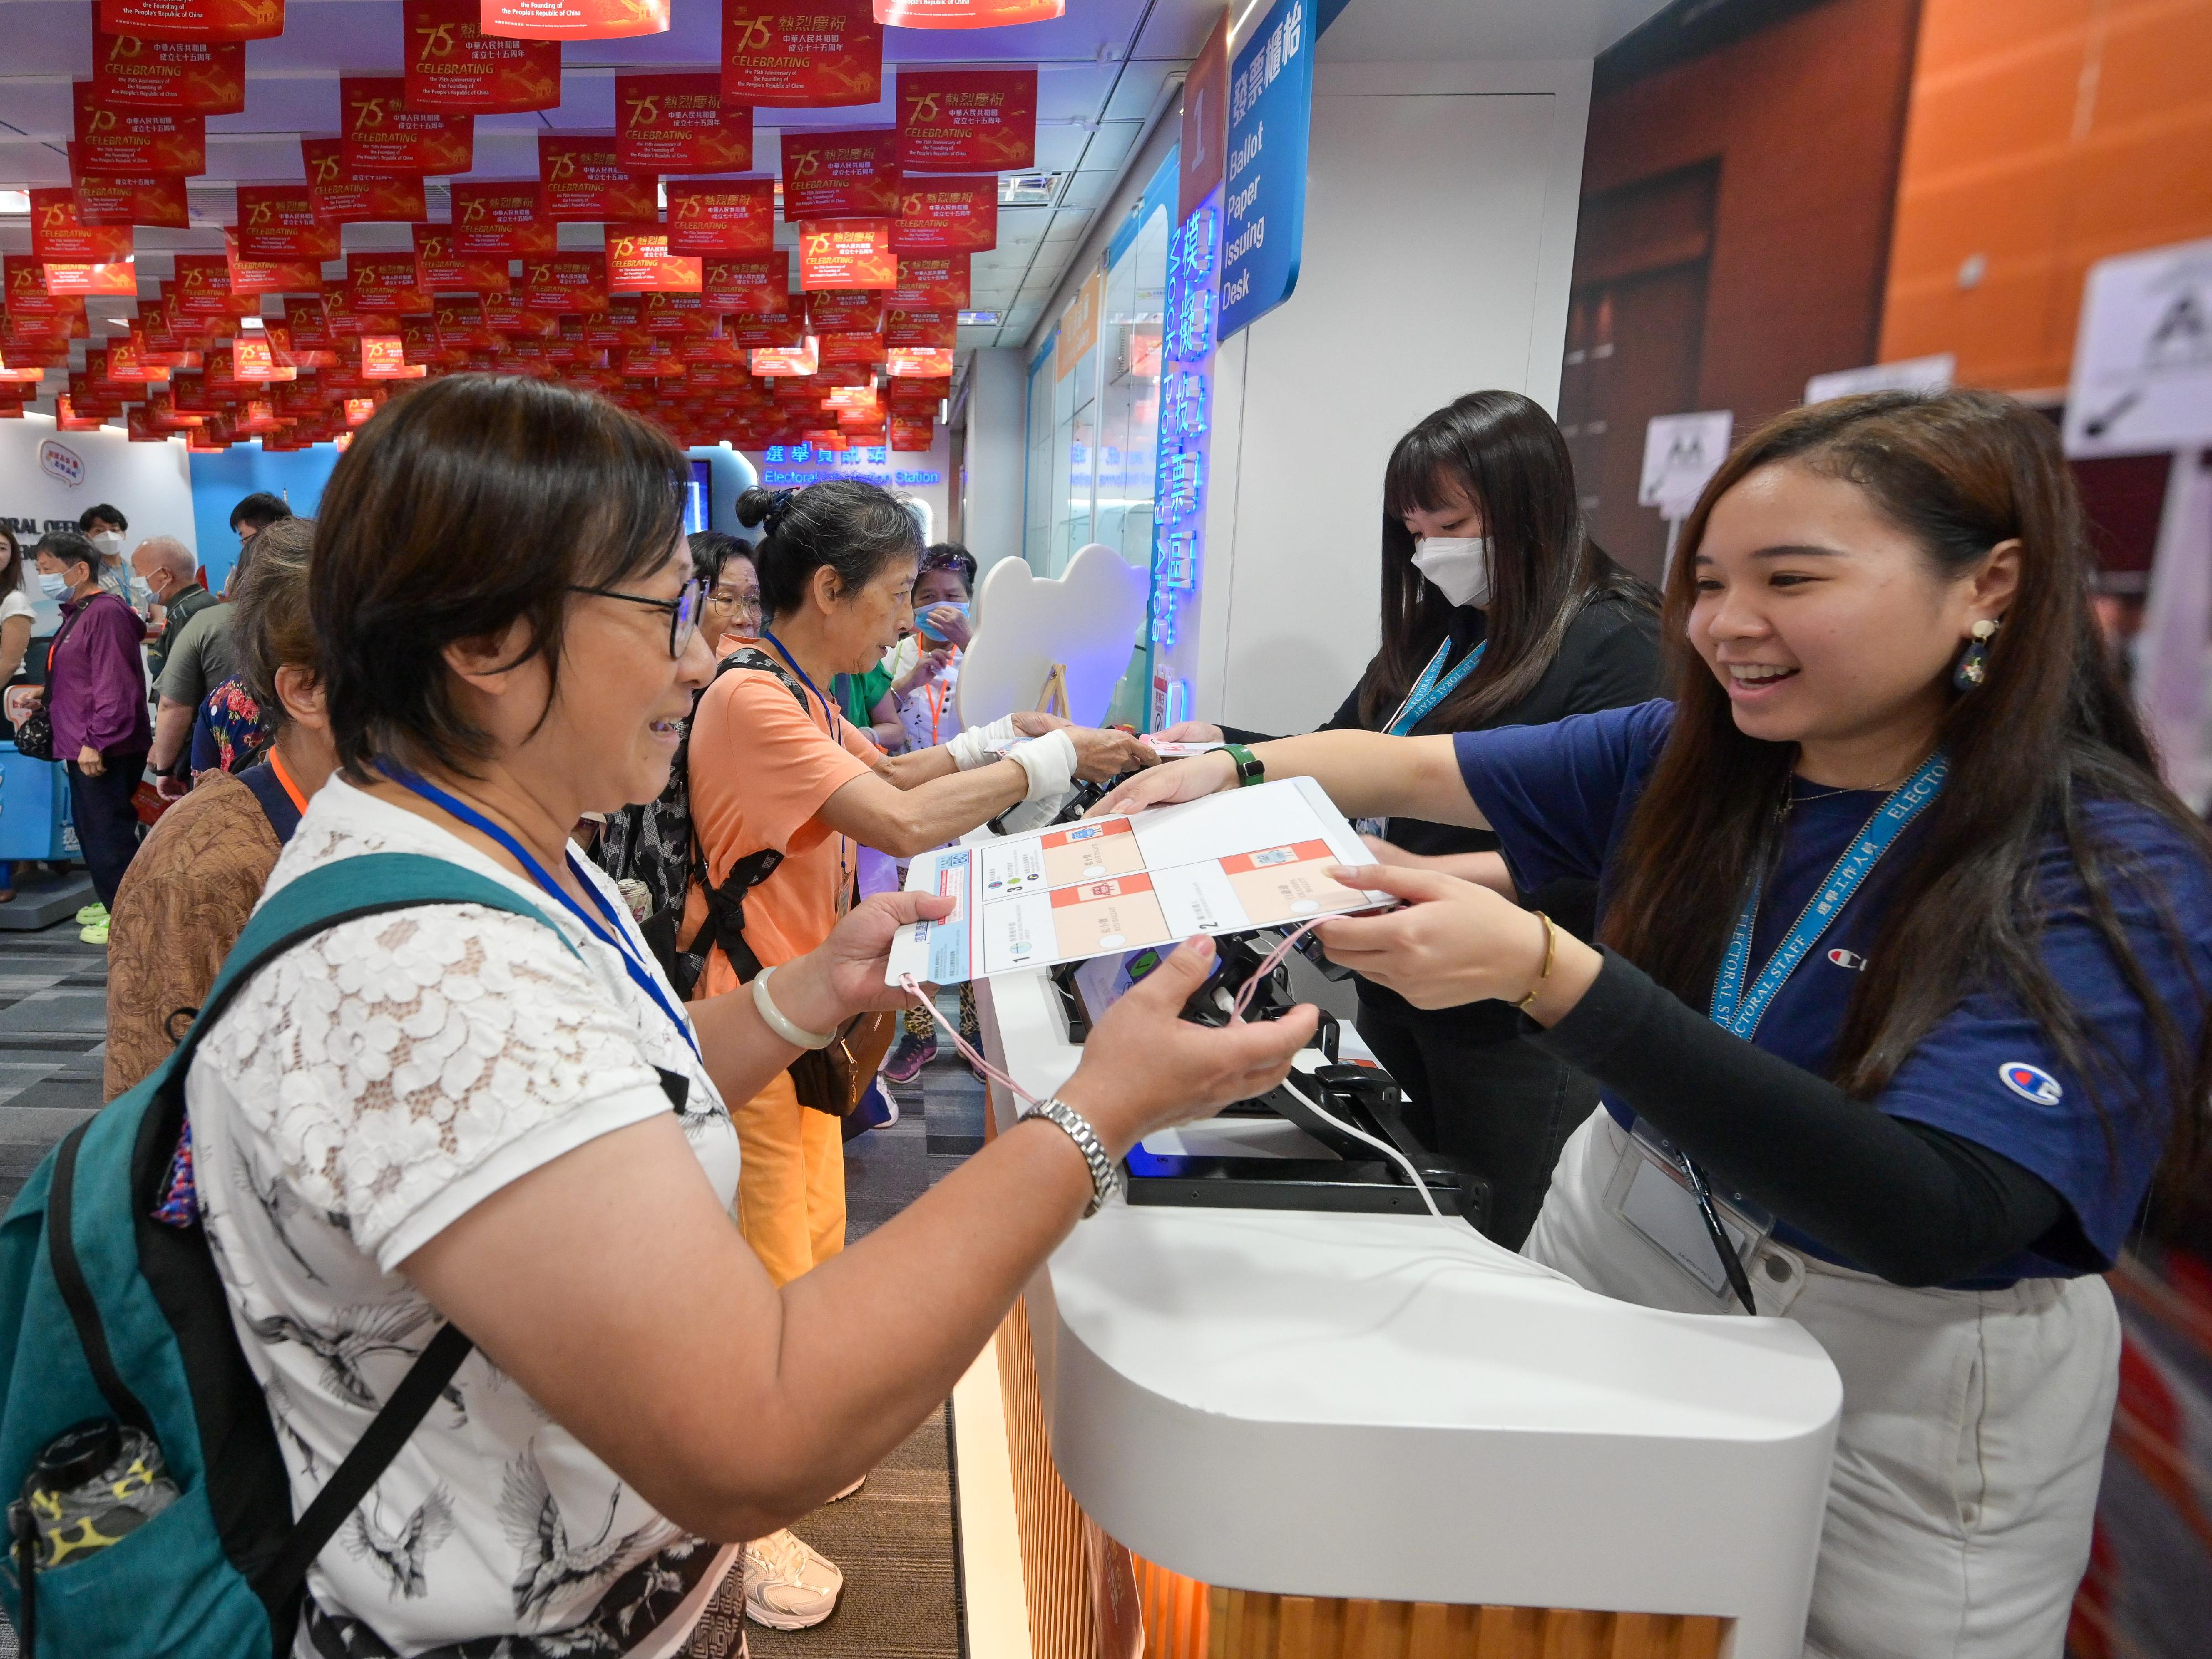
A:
[1105,69]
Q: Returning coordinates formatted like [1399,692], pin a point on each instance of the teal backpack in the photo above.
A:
[105,1312]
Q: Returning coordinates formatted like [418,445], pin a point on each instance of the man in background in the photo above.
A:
[252,515]
[170,575]
[103,526]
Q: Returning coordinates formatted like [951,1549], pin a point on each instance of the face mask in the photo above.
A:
[109,542]
[55,587]
[1459,566]
[921,621]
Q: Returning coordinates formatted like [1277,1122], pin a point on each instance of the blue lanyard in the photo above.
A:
[611,935]
[1428,691]
[828,707]
[1739,1010]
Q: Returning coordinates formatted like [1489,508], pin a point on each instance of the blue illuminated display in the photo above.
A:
[1186,392]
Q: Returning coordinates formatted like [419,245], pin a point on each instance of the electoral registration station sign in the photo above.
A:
[1264,204]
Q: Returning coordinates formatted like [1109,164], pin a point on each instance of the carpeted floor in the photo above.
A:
[894,1539]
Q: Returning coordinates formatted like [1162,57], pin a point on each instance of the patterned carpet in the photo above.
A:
[895,1539]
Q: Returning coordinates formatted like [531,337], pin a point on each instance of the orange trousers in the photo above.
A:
[791,1181]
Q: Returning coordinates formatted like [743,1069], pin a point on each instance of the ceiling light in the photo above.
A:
[1027,189]
[979,319]
[249,322]
[120,322]
[14,201]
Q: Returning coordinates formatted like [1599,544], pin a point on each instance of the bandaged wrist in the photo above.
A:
[972,748]
[1050,762]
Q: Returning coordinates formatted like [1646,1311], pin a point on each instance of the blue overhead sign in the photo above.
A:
[1264,193]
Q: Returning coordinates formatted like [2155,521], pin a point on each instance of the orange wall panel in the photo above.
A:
[2043,135]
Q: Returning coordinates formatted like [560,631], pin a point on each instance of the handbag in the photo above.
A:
[832,1080]
[35,732]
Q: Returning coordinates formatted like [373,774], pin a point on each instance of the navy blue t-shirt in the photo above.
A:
[1560,798]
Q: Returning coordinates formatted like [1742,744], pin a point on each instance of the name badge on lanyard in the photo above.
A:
[1666,1196]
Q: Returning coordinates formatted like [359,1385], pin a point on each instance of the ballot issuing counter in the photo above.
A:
[1268,1434]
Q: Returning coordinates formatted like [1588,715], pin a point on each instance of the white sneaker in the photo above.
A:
[789,1585]
[839,1497]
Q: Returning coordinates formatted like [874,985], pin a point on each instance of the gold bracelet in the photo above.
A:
[1551,942]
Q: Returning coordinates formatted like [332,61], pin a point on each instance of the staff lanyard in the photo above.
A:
[611,935]
[936,694]
[1737,1010]
[277,770]
[1428,691]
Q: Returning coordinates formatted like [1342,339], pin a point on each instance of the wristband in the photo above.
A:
[779,1022]
[1249,770]
[972,748]
[1105,1179]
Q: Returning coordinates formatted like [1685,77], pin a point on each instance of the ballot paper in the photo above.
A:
[1223,864]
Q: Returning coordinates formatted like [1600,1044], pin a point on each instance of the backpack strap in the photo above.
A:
[726,904]
[320,900]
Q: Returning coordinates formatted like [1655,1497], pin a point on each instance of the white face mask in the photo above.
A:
[1459,566]
[109,542]
[55,587]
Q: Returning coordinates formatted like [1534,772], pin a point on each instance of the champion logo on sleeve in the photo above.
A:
[2030,1082]
[1851,959]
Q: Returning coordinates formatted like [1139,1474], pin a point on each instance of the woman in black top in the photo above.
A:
[1498,609]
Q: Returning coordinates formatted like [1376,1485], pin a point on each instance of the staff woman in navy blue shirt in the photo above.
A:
[1902,987]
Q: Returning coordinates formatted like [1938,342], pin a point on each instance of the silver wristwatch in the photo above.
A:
[1105,1179]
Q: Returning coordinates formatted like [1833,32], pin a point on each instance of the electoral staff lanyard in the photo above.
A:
[277,770]
[1430,690]
[611,935]
[1737,1010]
[938,694]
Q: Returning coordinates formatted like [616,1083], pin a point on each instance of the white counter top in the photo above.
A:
[1392,1406]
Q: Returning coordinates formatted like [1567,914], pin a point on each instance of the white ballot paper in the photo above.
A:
[1225,864]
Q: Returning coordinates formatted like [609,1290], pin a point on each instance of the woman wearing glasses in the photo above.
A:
[1904,990]
[456,1113]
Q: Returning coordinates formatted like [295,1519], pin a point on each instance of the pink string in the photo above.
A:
[967,1051]
[1269,962]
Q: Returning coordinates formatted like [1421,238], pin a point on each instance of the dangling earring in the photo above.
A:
[1974,667]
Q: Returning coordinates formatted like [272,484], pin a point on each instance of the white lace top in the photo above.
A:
[369,1087]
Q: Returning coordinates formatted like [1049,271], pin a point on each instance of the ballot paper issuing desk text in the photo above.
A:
[1225,864]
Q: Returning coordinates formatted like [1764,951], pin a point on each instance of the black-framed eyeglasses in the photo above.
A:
[682,610]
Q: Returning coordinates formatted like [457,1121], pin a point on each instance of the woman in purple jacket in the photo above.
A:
[96,697]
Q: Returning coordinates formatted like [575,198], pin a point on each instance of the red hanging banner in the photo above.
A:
[386,283]
[931,331]
[758,286]
[565,282]
[855,311]
[801,54]
[948,216]
[112,198]
[909,363]
[193,20]
[930,282]
[847,253]
[679,123]
[841,175]
[575,20]
[580,180]
[446,270]
[712,215]
[499,218]
[203,287]
[278,222]
[29,303]
[638,262]
[967,14]
[912,434]
[453,65]
[251,278]
[340,196]
[191,77]
[384,357]
[851,348]
[771,361]
[967,120]
[135,141]
[60,236]
[384,137]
